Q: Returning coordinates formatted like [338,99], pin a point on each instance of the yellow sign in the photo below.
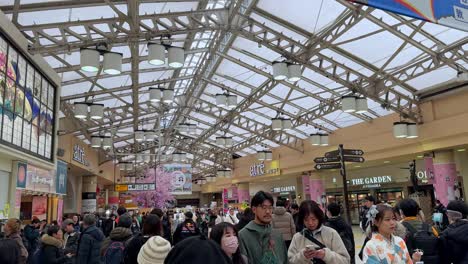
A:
[260,169]
[121,187]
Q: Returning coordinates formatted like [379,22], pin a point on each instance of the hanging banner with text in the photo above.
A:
[61,177]
[181,175]
[450,13]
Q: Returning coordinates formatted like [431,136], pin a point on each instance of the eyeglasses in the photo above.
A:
[266,207]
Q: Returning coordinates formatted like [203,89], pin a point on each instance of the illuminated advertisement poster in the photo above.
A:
[39,207]
[181,175]
[450,13]
[27,103]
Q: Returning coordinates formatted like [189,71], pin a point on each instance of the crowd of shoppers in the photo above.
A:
[268,232]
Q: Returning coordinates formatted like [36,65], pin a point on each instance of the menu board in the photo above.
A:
[27,104]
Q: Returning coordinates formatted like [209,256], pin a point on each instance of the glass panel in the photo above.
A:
[30,77]
[36,111]
[9,94]
[49,121]
[43,118]
[50,99]
[26,135]
[44,91]
[48,149]
[12,63]
[7,132]
[3,54]
[34,138]
[2,89]
[19,101]
[21,71]
[17,130]
[42,143]
[37,84]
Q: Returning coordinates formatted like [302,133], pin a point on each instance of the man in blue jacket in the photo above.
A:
[90,242]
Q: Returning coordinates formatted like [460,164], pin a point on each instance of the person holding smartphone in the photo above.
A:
[316,242]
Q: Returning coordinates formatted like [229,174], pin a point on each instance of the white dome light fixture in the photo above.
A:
[150,135]
[361,105]
[107,143]
[348,103]
[89,60]
[232,101]
[156,54]
[80,110]
[319,139]
[155,94]
[139,135]
[96,111]
[280,123]
[412,130]
[264,155]
[96,141]
[400,129]
[280,70]
[112,63]
[224,141]
[175,57]
[294,72]
[168,96]
[221,100]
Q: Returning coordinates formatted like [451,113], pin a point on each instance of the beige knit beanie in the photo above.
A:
[154,251]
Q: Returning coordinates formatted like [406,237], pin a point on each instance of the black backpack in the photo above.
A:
[425,240]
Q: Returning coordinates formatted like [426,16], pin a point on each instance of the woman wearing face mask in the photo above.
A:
[384,247]
[225,235]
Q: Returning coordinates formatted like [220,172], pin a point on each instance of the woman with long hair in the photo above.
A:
[384,247]
[225,234]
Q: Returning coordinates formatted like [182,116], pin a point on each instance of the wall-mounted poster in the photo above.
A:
[39,207]
[26,103]
[181,175]
[61,174]
[21,176]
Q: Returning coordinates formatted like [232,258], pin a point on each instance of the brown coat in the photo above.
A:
[283,223]
[24,252]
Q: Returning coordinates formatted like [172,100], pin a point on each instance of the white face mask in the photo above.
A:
[230,244]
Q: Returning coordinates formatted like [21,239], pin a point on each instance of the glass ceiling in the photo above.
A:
[342,47]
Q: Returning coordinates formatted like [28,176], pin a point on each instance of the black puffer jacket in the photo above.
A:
[52,252]
[89,246]
[345,232]
[454,242]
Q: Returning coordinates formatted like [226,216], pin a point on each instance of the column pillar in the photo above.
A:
[445,176]
[243,192]
[88,194]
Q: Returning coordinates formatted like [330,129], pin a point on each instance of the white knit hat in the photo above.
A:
[154,251]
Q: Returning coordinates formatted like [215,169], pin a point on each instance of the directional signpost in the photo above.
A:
[337,160]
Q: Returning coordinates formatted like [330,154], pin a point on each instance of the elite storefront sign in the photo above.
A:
[79,155]
[259,169]
[371,182]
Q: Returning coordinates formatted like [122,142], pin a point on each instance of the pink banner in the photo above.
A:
[39,207]
[18,198]
[429,168]
[243,195]
[305,185]
[316,190]
[445,176]
[60,212]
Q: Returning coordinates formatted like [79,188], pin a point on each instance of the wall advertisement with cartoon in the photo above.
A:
[181,175]
[450,13]
[26,104]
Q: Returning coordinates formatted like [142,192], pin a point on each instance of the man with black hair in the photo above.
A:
[90,242]
[186,229]
[454,239]
[31,235]
[113,248]
[419,235]
[294,212]
[369,201]
[120,211]
[258,241]
[344,229]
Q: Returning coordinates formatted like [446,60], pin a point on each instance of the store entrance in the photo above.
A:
[355,205]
